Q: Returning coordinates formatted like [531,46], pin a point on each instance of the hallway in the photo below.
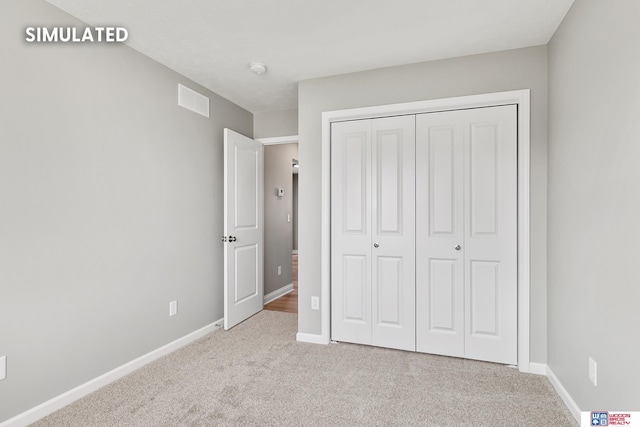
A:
[288,303]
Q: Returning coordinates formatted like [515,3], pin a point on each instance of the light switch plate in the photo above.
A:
[593,371]
[3,367]
[173,308]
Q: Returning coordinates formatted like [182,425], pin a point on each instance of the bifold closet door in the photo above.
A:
[439,229]
[466,251]
[373,232]
[351,231]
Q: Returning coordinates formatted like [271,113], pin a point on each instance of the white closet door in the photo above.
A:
[393,224]
[466,252]
[373,232]
[491,286]
[439,228]
[351,231]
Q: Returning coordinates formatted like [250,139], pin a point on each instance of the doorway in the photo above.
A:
[280,260]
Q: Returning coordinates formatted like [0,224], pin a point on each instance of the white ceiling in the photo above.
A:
[213,41]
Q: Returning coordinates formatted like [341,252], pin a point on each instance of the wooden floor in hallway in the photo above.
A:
[288,303]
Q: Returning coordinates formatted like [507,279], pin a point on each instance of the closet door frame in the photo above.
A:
[521,98]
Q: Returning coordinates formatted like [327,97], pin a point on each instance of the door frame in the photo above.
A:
[277,140]
[521,98]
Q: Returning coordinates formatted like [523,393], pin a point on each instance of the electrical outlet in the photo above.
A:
[279,270]
[593,372]
[173,308]
[315,303]
[3,367]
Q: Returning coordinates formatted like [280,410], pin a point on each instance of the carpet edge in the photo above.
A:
[60,401]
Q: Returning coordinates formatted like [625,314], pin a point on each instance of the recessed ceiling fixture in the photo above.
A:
[258,67]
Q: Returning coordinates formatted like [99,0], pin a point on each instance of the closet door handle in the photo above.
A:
[375,245]
[457,247]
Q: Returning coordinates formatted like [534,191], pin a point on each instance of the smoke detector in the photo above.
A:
[258,67]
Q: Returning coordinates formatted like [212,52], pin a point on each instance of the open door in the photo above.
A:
[243,228]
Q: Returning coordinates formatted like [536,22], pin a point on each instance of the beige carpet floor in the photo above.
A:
[257,374]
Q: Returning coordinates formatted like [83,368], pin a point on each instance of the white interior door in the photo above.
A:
[440,214]
[243,228]
[467,233]
[393,226]
[351,231]
[490,248]
[373,232]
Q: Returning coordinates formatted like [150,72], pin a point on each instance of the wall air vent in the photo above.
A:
[192,100]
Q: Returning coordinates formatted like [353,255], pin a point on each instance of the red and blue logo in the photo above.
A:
[599,418]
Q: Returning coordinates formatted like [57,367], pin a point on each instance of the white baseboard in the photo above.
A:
[564,395]
[537,368]
[272,296]
[543,369]
[50,406]
[311,338]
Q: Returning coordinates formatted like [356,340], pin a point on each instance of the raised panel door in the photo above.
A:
[466,201]
[439,225]
[243,227]
[351,232]
[393,244]
[491,287]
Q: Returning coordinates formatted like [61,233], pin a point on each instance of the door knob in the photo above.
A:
[232,239]
[375,245]
[223,238]
[457,247]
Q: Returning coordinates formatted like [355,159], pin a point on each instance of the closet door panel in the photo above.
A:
[393,219]
[466,233]
[389,291]
[351,232]
[491,287]
[439,228]
[355,289]
[484,298]
[443,295]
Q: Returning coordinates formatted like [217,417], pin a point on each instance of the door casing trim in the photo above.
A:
[521,98]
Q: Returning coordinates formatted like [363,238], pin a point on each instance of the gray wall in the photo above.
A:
[278,233]
[502,71]
[275,123]
[594,208]
[111,207]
